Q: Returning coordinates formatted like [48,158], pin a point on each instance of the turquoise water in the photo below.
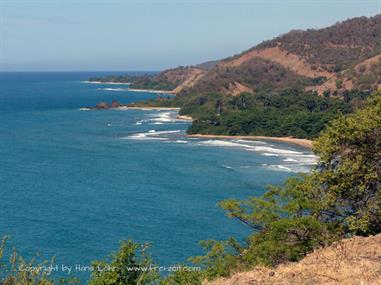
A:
[75,183]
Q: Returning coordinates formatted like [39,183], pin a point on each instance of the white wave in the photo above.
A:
[113,89]
[164,117]
[108,83]
[151,134]
[250,142]
[143,136]
[121,108]
[84,109]
[227,167]
[278,167]
[269,154]
[266,150]
[289,159]
[163,132]
[181,141]
[306,159]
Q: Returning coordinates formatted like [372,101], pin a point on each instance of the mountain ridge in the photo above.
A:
[321,55]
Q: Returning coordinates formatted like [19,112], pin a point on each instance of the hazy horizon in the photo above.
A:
[151,35]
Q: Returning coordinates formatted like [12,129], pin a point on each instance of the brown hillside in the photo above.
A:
[349,78]
[287,60]
[348,262]
[334,48]
[253,74]
[329,59]
[189,78]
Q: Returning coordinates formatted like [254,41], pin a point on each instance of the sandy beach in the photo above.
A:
[184,117]
[153,108]
[301,142]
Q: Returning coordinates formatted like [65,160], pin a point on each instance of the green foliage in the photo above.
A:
[131,265]
[183,277]
[18,271]
[288,113]
[342,197]
[351,169]
[146,81]
[257,74]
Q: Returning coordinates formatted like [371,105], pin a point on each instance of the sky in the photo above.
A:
[79,35]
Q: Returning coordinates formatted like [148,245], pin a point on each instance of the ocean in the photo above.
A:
[75,183]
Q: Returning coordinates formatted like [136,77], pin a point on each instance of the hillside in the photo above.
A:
[330,57]
[351,261]
[330,61]
[271,89]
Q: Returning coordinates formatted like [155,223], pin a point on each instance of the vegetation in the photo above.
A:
[340,198]
[284,113]
[334,48]
[19,271]
[257,74]
[146,81]
[130,265]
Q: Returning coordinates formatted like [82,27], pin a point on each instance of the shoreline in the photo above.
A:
[132,89]
[291,140]
[151,91]
[300,142]
[111,83]
[153,108]
[184,117]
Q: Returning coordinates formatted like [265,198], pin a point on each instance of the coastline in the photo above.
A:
[111,83]
[185,118]
[300,142]
[132,89]
[153,108]
[152,91]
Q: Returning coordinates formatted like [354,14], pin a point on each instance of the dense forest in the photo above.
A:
[286,113]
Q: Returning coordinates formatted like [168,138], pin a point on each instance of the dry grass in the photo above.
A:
[275,54]
[353,261]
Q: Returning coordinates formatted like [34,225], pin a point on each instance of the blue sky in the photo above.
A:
[151,35]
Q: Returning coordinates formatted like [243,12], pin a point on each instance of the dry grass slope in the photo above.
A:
[348,262]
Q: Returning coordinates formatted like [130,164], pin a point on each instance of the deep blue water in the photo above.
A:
[75,183]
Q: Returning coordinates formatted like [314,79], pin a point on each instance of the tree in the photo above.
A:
[131,265]
[340,198]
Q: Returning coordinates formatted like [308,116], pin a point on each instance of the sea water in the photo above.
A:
[74,183]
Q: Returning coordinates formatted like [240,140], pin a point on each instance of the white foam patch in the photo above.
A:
[289,159]
[227,167]
[267,150]
[143,136]
[113,89]
[278,167]
[164,118]
[294,161]
[181,141]
[151,134]
[269,154]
